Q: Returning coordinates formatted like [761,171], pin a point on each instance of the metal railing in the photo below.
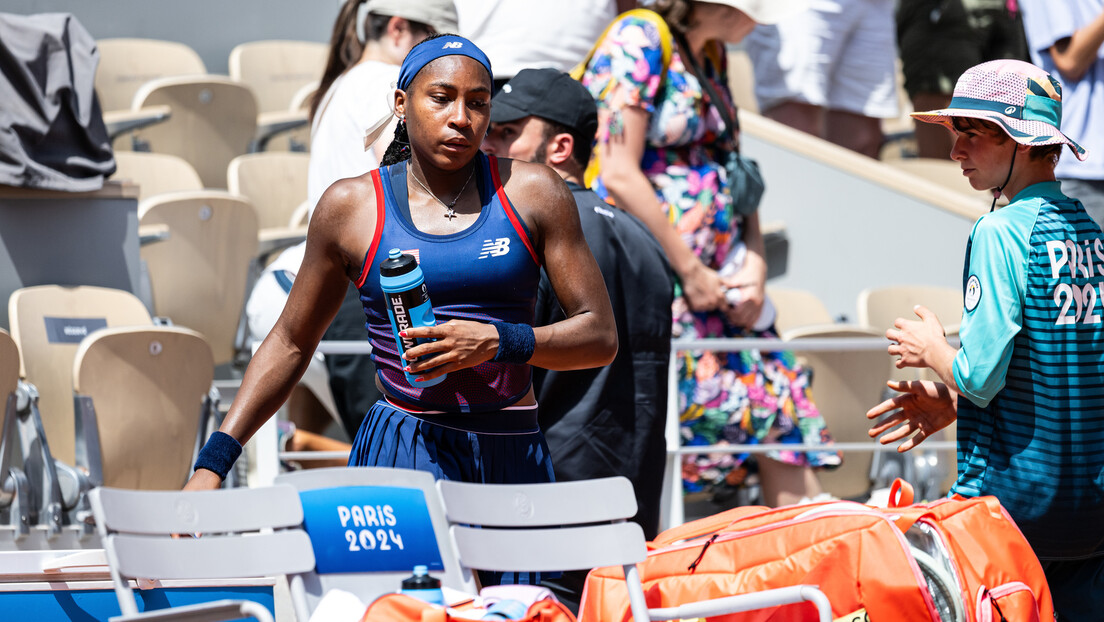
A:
[672,493]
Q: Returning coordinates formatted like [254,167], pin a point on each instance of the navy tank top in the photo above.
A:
[486,272]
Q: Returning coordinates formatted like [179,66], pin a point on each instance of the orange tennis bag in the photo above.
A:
[953,559]
[403,608]
[855,554]
[978,545]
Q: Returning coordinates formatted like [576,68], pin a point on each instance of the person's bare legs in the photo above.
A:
[855,132]
[932,140]
[805,117]
[786,484]
[309,441]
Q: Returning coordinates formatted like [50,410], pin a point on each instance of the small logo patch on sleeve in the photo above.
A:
[973,293]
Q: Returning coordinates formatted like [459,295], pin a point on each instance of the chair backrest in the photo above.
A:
[366,487]
[199,274]
[275,183]
[213,120]
[126,64]
[48,323]
[796,308]
[544,527]
[276,70]
[156,173]
[134,527]
[879,307]
[148,386]
[845,385]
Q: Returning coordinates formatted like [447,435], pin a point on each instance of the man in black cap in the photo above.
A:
[606,421]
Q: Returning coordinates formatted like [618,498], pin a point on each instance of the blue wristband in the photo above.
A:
[218,454]
[515,342]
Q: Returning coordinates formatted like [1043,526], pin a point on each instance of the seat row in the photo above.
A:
[306,527]
[157,96]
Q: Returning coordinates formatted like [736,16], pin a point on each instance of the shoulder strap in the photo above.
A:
[665,40]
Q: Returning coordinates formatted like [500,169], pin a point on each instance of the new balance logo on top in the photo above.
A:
[495,248]
[452,45]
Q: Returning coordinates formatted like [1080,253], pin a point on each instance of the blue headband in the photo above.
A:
[429,51]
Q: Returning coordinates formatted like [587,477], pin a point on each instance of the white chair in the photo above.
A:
[796,308]
[247,532]
[573,525]
[366,486]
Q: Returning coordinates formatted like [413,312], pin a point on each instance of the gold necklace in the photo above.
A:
[450,213]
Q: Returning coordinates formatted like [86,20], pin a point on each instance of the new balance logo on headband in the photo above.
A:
[453,45]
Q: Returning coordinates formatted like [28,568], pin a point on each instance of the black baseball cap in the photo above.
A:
[551,95]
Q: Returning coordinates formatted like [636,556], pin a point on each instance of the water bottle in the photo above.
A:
[408,304]
[423,587]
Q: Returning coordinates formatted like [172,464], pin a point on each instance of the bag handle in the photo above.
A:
[900,493]
[732,123]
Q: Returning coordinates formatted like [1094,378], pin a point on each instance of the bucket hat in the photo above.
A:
[1020,98]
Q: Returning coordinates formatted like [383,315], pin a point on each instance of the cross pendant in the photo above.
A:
[450,214]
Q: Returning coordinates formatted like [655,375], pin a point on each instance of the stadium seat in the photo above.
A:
[308,588]
[126,64]
[845,385]
[247,532]
[156,173]
[214,120]
[48,323]
[741,80]
[276,71]
[275,183]
[146,389]
[199,275]
[796,308]
[567,526]
[879,308]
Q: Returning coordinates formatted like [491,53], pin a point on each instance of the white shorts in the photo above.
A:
[839,55]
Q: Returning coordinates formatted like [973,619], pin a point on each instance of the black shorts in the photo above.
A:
[938,40]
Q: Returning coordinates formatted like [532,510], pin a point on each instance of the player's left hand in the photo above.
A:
[459,344]
[915,341]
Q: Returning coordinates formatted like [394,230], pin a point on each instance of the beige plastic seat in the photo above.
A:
[275,183]
[276,70]
[213,120]
[879,308]
[845,385]
[126,64]
[48,322]
[147,386]
[199,275]
[796,308]
[156,173]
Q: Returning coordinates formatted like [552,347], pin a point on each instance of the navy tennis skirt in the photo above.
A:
[503,447]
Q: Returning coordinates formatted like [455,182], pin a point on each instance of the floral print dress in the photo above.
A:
[738,397]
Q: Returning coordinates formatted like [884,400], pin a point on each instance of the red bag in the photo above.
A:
[403,608]
[989,559]
[855,554]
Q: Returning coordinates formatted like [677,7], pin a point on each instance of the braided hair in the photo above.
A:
[399,149]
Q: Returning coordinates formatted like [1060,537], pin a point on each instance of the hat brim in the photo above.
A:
[1031,133]
[502,111]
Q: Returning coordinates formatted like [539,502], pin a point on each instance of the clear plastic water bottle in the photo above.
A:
[408,304]
[423,587]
